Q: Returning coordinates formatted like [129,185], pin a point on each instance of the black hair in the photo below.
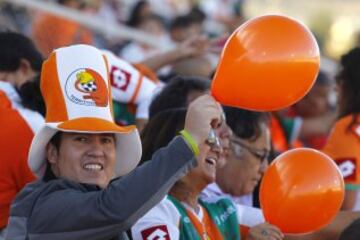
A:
[13,48]
[323,79]
[62,1]
[197,15]
[55,141]
[348,80]
[135,18]
[182,22]
[31,97]
[160,130]
[175,93]
[246,124]
[49,175]
[352,232]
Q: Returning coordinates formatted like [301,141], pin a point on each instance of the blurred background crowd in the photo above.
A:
[164,24]
[165,39]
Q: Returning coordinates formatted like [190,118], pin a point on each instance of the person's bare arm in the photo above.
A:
[191,47]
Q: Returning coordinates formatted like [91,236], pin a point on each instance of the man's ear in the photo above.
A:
[51,153]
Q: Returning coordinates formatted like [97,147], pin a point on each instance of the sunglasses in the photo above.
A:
[213,140]
[262,155]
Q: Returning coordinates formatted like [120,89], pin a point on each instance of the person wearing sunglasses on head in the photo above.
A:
[182,215]
[246,161]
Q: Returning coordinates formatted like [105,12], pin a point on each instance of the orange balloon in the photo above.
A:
[301,191]
[268,63]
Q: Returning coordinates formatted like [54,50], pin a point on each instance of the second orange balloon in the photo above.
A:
[301,191]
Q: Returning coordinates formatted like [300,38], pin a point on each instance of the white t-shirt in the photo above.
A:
[213,190]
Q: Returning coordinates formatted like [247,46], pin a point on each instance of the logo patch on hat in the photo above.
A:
[87,87]
[156,233]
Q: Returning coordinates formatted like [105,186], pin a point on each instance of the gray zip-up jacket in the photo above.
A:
[66,210]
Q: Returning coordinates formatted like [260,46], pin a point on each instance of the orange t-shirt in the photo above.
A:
[278,136]
[15,140]
[343,146]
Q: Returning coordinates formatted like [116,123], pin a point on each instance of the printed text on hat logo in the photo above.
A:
[86,87]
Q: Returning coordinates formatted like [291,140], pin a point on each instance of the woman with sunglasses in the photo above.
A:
[182,215]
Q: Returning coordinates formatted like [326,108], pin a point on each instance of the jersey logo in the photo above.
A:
[119,78]
[357,130]
[347,167]
[159,232]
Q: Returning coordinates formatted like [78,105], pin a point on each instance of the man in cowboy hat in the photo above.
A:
[80,154]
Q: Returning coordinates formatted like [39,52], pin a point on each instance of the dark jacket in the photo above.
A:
[61,209]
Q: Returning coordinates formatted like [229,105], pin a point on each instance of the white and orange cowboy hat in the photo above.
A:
[77,93]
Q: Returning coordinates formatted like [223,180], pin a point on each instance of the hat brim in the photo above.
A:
[128,144]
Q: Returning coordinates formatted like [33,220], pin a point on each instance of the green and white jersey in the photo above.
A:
[171,219]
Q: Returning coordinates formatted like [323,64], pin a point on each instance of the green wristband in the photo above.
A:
[191,141]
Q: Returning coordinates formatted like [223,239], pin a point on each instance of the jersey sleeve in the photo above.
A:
[129,85]
[146,94]
[161,222]
[142,110]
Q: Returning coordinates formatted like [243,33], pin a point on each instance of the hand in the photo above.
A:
[202,114]
[193,46]
[265,231]
[225,134]
[216,45]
